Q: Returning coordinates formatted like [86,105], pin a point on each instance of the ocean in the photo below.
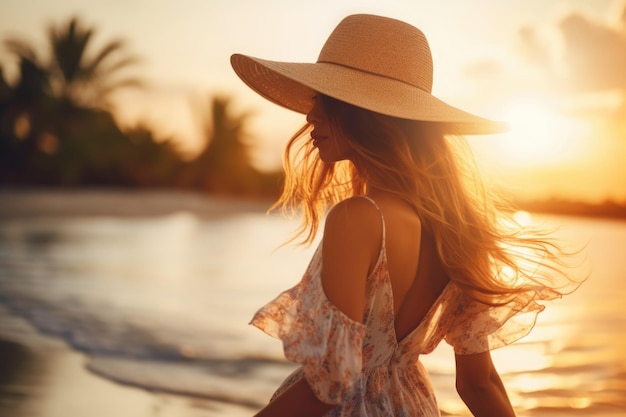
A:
[161,299]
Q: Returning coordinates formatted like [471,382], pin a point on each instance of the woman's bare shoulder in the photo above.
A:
[355,215]
[357,208]
[354,225]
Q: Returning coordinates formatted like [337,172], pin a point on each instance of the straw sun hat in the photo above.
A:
[377,63]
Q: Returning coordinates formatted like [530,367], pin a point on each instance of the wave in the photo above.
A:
[153,356]
[246,381]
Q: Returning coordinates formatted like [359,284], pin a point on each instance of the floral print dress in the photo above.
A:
[362,367]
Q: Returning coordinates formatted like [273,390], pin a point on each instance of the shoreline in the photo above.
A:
[41,376]
[120,202]
[136,202]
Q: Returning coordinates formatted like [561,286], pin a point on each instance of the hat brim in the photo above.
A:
[293,85]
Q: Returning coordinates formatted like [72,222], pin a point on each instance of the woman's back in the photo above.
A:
[364,361]
[415,270]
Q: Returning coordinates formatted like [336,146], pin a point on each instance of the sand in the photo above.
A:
[42,377]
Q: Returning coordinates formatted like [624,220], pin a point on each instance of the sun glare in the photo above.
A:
[540,134]
[523,218]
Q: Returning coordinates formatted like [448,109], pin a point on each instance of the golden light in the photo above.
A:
[540,133]
[532,382]
[521,359]
[523,218]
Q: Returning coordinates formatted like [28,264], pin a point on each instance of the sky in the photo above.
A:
[554,69]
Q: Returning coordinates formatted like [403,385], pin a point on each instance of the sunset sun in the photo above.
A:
[540,133]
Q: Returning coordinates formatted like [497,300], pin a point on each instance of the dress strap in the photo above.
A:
[382,218]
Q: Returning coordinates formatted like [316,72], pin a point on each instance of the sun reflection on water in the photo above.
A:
[523,218]
[520,358]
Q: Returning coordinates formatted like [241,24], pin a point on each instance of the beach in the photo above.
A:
[123,303]
[40,376]
[118,202]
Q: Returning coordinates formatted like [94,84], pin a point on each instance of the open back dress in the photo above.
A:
[362,367]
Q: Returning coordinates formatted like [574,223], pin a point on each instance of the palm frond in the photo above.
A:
[21,49]
[118,65]
[68,44]
[107,51]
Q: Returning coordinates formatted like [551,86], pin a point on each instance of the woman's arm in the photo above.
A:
[351,243]
[480,386]
[350,248]
[298,400]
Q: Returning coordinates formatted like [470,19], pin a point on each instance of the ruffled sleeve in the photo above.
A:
[317,335]
[478,327]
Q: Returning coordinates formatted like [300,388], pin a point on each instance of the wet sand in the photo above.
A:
[41,377]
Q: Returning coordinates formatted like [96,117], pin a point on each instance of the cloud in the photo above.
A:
[590,57]
[533,48]
[576,59]
[594,53]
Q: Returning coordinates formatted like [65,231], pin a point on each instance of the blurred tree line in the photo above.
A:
[55,129]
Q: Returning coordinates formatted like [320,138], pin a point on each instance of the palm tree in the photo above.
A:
[57,91]
[75,74]
[225,165]
[26,113]
[79,77]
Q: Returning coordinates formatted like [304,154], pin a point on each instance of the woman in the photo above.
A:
[413,251]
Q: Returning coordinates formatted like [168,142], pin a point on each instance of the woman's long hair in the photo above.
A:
[484,251]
